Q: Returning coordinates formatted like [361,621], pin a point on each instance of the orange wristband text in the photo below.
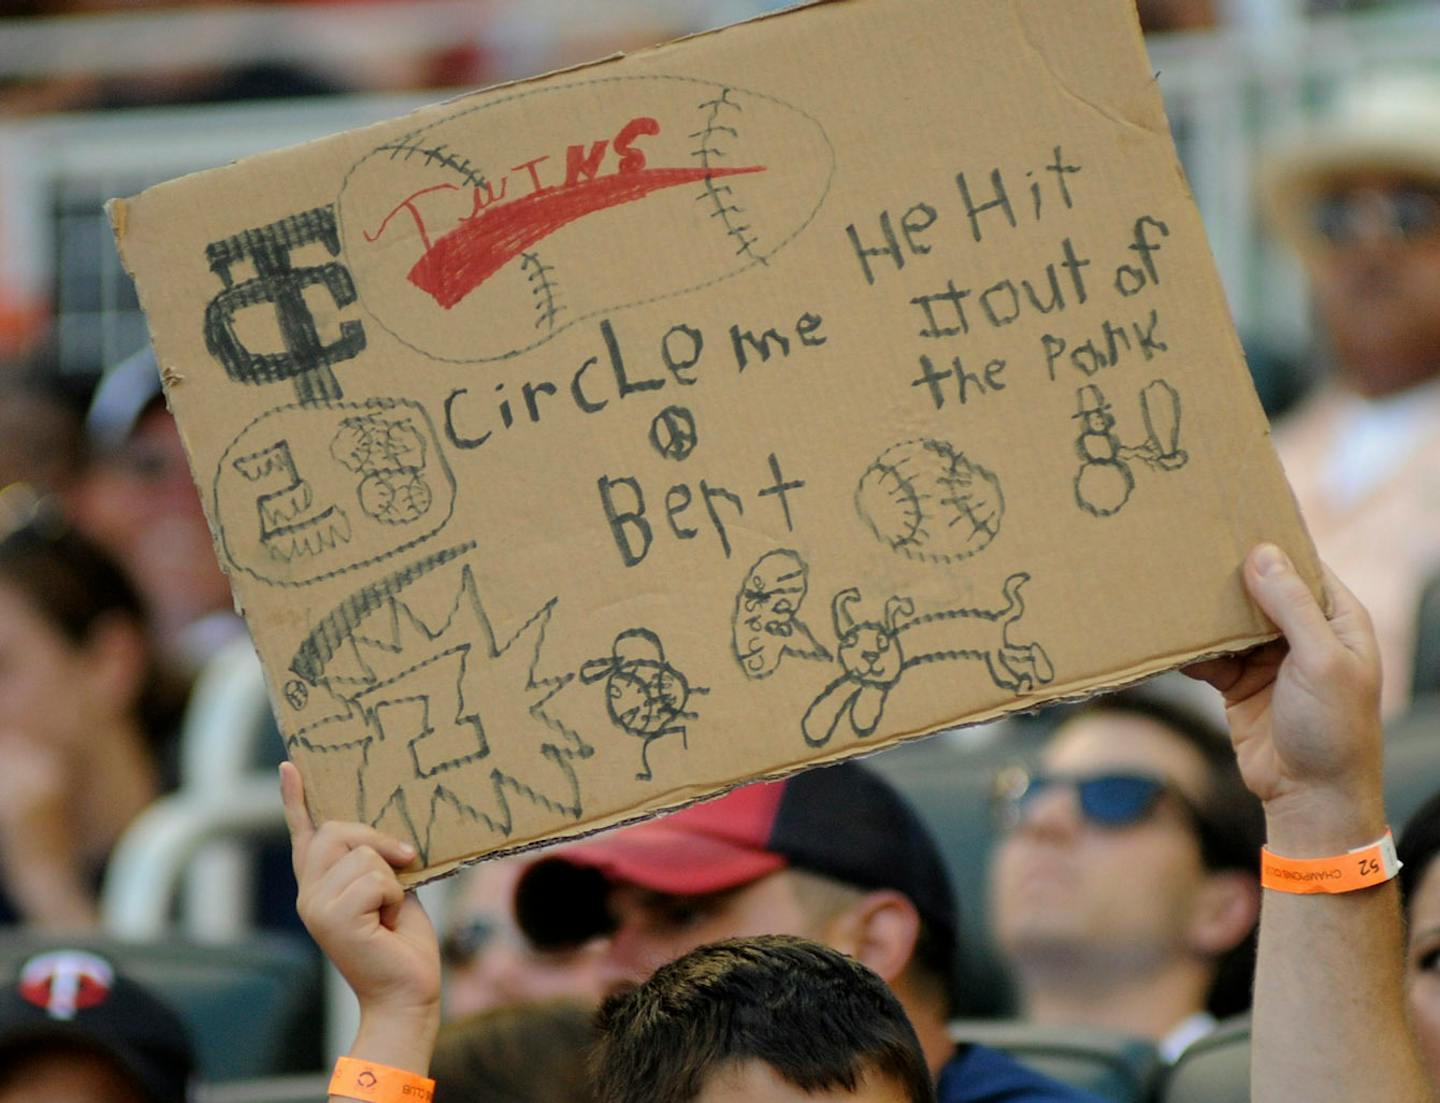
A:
[355,1079]
[1361,868]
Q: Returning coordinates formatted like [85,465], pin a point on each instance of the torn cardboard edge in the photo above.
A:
[540,488]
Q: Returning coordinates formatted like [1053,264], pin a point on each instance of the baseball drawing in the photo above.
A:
[927,500]
[473,240]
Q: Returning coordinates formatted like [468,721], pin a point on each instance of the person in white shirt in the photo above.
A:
[1359,200]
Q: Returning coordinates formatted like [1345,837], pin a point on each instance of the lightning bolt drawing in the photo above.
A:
[441,716]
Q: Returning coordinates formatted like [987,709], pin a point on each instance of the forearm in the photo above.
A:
[403,1041]
[396,1039]
[375,934]
[1330,1020]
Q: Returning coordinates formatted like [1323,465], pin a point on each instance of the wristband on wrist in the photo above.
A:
[372,1083]
[1361,868]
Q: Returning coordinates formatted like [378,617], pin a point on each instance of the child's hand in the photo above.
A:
[376,934]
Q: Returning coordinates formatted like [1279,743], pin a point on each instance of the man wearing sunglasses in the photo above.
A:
[1359,201]
[835,854]
[489,962]
[1125,889]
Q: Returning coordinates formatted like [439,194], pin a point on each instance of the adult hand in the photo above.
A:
[1329,1022]
[377,935]
[1304,712]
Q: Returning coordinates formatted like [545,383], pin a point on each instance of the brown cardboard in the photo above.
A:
[574,446]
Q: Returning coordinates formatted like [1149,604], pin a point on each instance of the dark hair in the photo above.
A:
[1419,844]
[1230,822]
[41,418]
[819,1019]
[74,585]
[67,580]
[933,960]
[527,1053]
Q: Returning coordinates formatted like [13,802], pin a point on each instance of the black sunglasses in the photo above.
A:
[1405,212]
[1106,800]
[461,944]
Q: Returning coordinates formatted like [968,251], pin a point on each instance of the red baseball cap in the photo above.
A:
[841,821]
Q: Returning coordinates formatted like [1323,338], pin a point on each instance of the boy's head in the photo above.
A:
[771,1018]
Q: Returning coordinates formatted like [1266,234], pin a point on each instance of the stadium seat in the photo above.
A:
[1426,672]
[1216,1069]
[1117,1067]
[1412,760]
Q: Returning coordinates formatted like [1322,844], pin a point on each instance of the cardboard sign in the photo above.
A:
[587,446]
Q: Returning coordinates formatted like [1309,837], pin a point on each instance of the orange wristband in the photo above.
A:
[1361,868]
[355,1079]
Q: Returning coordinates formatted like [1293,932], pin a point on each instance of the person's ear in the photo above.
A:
[879,930]
[1226,910]
[117,653]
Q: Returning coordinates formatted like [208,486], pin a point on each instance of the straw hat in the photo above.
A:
[1388,123]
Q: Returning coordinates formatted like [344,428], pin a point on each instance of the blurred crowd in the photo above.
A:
[1119,881]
